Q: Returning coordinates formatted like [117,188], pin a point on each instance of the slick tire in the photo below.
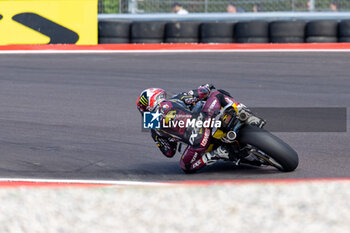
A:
[181,40]
[113,40]
[217,40]
[112,28]
[344,29]
[182,32]
[257,40]
[344,39]
[287,29]
[216,32]
[273,146]
[251,29]
[146,41]
[147,30]
[287,40]
[322,28]
[321,39]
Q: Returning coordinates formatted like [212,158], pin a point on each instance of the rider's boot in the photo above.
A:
[219,153]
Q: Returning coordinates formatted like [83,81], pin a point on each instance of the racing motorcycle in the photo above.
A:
[249,143]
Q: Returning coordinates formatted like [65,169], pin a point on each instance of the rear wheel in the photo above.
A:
[269,148]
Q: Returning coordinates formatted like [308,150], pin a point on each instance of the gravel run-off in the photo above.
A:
[322,206]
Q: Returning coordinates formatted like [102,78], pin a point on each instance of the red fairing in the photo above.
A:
[191,159]
[213,105]
[177,109]
[171,108]
[171,152]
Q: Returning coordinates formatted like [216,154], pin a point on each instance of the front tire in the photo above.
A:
[271,145]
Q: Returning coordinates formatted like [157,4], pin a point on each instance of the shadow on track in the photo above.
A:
[163,170]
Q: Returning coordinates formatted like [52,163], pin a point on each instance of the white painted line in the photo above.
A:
[171,51]
[124,183]
[107,182]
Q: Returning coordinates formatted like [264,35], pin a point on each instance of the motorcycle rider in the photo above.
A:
[186,106]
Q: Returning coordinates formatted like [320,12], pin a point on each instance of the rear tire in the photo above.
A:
[274,147]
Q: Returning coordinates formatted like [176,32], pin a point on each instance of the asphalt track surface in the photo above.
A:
[73,116]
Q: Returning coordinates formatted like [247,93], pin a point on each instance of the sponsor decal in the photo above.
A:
[193,137]
[190,100]
[194,157]
[205,137]
[143,99]
[57,33]
[169,117]
[48,22]
[196,164]
[165,107]
[212,105]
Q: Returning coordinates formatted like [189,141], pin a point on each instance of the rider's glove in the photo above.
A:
[208,86]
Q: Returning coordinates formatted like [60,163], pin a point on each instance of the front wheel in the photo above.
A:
[280,154]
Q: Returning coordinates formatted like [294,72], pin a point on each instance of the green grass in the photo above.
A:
[108,6]
[198,6]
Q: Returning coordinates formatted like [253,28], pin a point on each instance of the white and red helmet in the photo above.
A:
[150,98]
